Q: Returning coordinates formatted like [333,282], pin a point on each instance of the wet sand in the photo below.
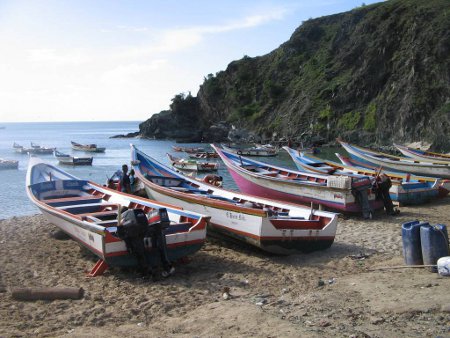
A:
[270,296]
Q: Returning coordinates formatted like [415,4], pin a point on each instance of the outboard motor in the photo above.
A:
[133,229]
[360,189]
[158,222]
[135,226]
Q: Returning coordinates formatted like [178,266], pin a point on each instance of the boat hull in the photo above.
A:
[426,169]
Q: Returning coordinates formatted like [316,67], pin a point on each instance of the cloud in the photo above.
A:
[176,40]
[57,57]
[127,72]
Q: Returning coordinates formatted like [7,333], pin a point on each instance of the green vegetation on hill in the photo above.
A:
[377,73]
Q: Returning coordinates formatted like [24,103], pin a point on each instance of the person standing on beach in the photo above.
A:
[132,181]
[125,180]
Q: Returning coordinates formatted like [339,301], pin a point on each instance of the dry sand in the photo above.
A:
[270,296]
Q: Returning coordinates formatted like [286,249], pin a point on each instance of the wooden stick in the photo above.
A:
[404,266]
[47,293]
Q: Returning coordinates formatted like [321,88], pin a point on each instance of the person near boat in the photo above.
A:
[125,185]
[382,184]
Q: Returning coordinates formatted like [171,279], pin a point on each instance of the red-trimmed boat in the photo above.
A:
[272,226]
[89,213]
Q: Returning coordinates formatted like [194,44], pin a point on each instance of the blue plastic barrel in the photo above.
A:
[412,249]
[434,239]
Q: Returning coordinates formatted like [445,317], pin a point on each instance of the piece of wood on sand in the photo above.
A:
[51,293]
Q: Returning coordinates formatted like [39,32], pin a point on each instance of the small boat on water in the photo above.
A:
[8,164]
[203,155]
[270,225]
[188,149]
[422,155]
[412,191]
[251,151]
[396,163]
[34,149]
[269,181]
[192,165]
[92,148]
[89,213]
[72,160]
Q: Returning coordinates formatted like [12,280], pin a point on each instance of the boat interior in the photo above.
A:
[91,205]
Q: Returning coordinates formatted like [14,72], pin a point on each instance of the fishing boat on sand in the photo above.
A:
[8,164]
[269,181]
[262,151]
[422,155]
[396,163]
[272,226]
[412,191]
[89,213]
[192,165]
[72,160]
[444,186]
[91,148]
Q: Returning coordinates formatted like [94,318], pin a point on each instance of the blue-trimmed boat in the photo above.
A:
[399,164]
[444,184]
[89,213]
[422,155]
[412,191]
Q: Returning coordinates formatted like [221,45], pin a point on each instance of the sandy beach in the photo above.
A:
[269,296]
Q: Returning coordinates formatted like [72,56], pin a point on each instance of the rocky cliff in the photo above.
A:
[376,74]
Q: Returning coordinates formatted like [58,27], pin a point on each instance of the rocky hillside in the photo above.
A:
[376,74]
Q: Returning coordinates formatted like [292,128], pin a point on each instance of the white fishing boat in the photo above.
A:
[273,226]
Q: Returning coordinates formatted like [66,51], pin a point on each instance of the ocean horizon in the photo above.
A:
[13,198]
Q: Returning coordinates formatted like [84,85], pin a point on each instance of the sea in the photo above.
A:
[13,198]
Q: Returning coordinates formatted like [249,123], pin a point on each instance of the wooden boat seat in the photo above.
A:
[178,227]
[180,189]
[58,202]
[88,208]
[97,214]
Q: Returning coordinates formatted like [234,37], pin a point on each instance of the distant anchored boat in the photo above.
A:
[8,164]
[72,160]
[192,165]
[87,147]
[263,150]
[34,149]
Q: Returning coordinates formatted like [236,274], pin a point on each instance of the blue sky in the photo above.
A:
[76,60]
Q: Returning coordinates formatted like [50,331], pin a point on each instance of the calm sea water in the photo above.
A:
[13,198]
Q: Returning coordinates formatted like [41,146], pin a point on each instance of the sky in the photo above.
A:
[113,60]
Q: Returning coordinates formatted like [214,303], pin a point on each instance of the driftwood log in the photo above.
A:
[47,293]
